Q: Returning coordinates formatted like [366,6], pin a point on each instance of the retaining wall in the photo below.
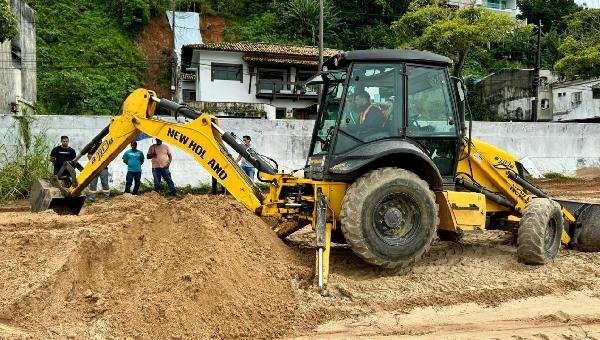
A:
[543,147]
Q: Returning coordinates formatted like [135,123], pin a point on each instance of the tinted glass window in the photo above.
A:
[331,104]
[373,106]
[226,72]
[430,109]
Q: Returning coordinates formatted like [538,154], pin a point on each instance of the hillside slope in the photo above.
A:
[87,58]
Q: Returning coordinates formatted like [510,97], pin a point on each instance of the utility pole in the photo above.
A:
[536,77]
[174,87]
[320,34]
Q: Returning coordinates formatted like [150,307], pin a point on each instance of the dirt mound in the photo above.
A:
[589,172]
[205,267]
[147,267]
[580,189]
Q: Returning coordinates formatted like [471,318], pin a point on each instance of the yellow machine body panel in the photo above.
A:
[488,166]
[461,211]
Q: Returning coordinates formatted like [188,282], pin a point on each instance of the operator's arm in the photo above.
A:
[239,158]
[53,155]
[125,157]
[170,157]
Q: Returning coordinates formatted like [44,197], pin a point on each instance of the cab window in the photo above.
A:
[373,105]
[430,109]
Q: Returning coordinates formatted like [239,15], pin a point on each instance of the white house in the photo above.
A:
[504,6]
[247,79]
[588,3]
[577,100]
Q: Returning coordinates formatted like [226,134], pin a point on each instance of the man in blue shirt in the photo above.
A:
[134,159]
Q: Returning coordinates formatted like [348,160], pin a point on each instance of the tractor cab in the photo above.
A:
[385,108]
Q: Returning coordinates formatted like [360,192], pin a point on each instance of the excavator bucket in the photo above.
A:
[46,195]
[587,217]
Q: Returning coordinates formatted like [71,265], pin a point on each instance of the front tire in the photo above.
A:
[540,232]
[389,217]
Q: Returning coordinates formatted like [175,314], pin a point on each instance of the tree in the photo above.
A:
[8,23]
[302,17]
[451,32]
[581,47]
[550,12]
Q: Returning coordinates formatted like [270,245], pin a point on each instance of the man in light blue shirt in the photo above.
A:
[134,159]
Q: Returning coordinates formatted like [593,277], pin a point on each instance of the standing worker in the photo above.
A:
[61,154]
[94,184]
[134,159]
[161,159]
[248,168]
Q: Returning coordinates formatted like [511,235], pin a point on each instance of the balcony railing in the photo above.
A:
[285,89]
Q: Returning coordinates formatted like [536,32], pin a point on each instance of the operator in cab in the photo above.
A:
[370,116]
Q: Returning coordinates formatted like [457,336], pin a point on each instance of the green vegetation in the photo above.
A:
[555,175]
[8,23]
[87,60]
[235,110]
[24,164]
[451,32]
[581,47]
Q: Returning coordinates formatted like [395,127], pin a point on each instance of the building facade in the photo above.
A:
[18,86]
[503,6]
[246,79]
[509,94]
[576,101]
[588,3]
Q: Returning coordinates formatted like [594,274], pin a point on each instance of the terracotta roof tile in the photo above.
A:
[261,47]
[270,59]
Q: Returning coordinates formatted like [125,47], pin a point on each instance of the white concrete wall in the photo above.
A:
[543,147]
[285,141]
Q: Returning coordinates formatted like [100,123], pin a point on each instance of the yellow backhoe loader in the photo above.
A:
[390,165]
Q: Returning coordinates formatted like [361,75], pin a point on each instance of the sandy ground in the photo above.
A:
[203,267]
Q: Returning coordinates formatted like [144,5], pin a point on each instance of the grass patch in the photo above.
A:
[21,169]
[556,175]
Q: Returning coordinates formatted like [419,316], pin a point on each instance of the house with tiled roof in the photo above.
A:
[247,79]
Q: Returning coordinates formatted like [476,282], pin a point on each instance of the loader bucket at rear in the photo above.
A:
[587,216]
[44,195]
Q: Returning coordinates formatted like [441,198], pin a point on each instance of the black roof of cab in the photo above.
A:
[413,56]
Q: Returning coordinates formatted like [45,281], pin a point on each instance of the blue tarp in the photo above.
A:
[187,30]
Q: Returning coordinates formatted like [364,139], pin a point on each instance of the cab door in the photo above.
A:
[431,116]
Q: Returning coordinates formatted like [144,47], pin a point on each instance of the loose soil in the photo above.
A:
[146,267]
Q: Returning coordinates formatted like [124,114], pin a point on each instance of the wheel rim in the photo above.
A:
[396,218]
[550,237]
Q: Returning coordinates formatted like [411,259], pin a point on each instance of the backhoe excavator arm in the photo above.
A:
[201,138]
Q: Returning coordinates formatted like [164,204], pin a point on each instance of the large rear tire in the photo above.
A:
[389,217]
[540,232]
